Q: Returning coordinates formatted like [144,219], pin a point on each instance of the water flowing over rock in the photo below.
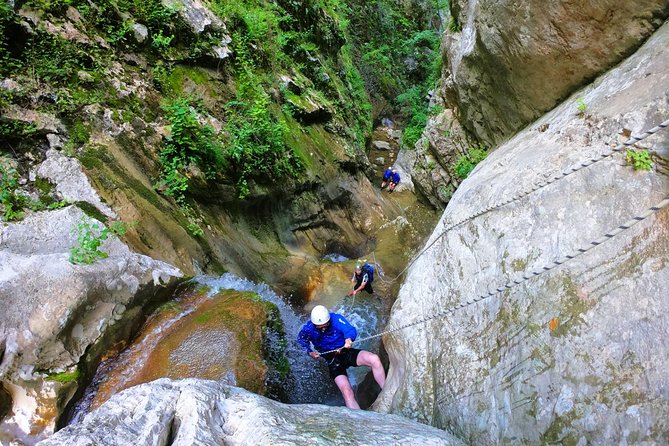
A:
[207,412]
[55,313]
[578,354]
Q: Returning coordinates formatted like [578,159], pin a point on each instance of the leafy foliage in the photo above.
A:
[256,148]
[89,239]
[581,106]
[7,19]
[64,377]
[12,199]
[639,159]
[466,163]
[189,143]
[412,103]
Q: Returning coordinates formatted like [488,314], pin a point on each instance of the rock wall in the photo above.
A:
[506,63]
[578,354]
[513,61]
[58,317]
[194,411]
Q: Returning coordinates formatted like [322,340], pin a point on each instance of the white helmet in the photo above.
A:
[320,315]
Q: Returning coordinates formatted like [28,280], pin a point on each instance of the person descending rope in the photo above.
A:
[363,276]
[386,177]
[331,331]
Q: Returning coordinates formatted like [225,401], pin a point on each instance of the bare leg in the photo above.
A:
[346,391]
[371,360]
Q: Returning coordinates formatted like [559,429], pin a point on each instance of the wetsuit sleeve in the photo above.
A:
[345,327]
[303,339]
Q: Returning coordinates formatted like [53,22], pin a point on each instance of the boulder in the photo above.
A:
[193,411]
[514,60]
[381,145]
[578,354]
[71,182]
[140,32]
[225,337]
[201,19]
[59,317]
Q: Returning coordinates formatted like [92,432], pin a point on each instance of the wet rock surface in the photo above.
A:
[221,337]
[193,411]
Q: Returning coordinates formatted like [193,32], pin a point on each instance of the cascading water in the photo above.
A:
[309,381]
[205,349]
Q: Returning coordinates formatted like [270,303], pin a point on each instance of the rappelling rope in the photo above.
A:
[528,275]
[587,163]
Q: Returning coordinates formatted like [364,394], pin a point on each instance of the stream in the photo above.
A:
[182,339]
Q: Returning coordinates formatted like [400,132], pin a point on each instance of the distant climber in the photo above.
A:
[394,180]
[331,331]
[386,176]
[362,278]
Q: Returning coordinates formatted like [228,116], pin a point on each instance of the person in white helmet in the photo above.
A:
[331,331]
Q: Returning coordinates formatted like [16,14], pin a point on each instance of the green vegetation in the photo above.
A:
[581,106]
[414,106]
[13,130]
[64,377]
[190,146]
[639,159]
[453,25]
[256,146]
[396,46]
[466,163]
[89,239]
[190,143]
[12,199]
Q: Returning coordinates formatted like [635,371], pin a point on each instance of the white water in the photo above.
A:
[309,381]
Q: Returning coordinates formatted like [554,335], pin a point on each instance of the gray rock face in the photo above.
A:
[514,60]
[54,312]
[140,32]
[577,355]
[188,412]
[200,19]
[71,182]
[439,148]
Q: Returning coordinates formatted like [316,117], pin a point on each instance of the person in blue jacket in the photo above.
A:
[331,331]
[386,177]
[394,180]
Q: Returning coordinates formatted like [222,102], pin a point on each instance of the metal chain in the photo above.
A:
[587,163]
[528,275]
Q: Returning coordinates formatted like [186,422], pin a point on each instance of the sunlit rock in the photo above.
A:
[56,315]
[206,412]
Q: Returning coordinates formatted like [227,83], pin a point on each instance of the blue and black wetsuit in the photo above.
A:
[330,338]
[395,178]
[362,277]
[387,174]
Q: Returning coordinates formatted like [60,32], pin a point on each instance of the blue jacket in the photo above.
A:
[332,338]
[387,174]
[395,178]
